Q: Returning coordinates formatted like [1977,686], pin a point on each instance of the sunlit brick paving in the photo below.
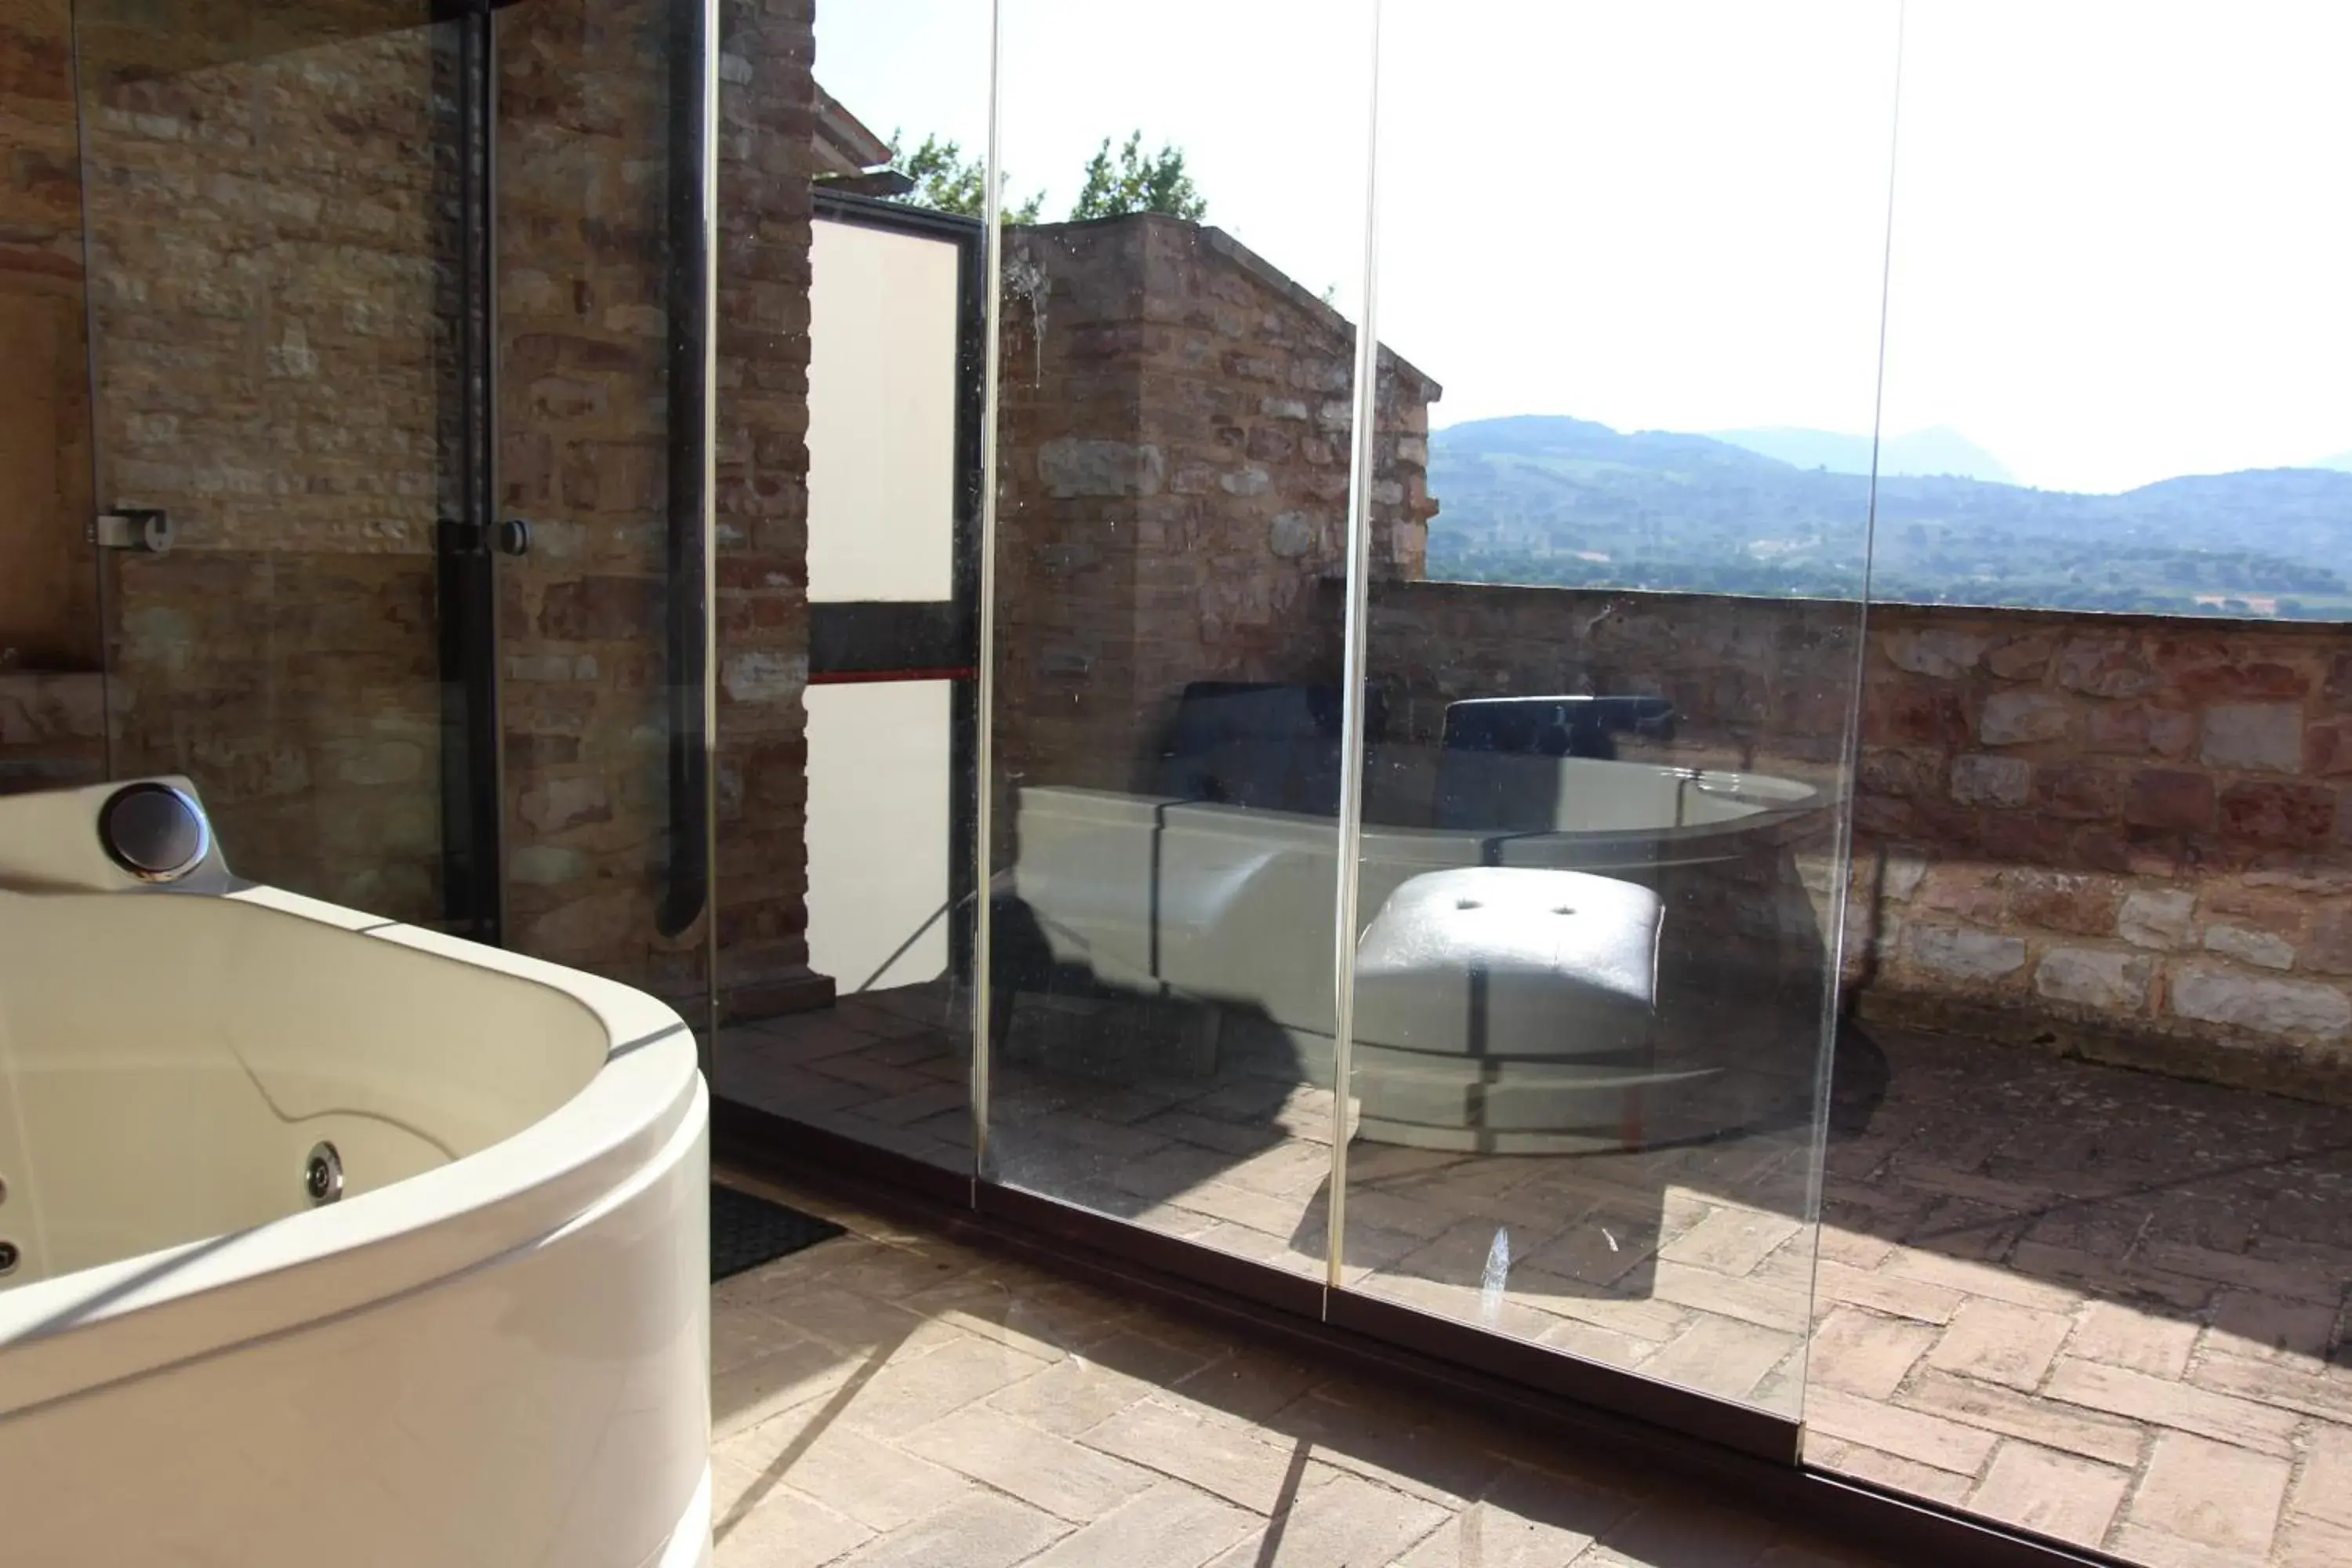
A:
[892,1398]
[2107,1306]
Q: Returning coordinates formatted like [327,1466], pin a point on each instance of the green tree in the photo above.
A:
[945,180]
[1138,184]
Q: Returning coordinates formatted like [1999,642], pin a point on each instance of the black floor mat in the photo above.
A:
[746,1232]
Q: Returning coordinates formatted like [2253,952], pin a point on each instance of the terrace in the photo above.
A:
[1982,1133]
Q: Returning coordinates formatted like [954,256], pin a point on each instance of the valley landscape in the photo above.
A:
[1548,499]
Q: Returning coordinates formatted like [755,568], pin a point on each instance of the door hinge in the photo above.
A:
[143,530]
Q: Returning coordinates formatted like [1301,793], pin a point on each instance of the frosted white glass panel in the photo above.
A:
[881,437]
[877,832]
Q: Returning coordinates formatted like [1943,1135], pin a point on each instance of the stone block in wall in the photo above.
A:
[1982,779]
[2266,950]
[2266,736]
[751,677]
[2212,672]
[2062,900]
[2328,949]
[40,711]
[2175,798]
[2107,667]
[1912,715]
[1068,466]
[2277,814]
[2257,903]
[566,802]
[549,865]
[2025,657]
[2157,918]
[1907,771]
[2021,717]
[1938,652]
[2327,748]
[1292,533]
[1905,865]
[2215,994]
[602,609]
[52,729]
[2099,978]
[2080,791]
[1962,954]
[2137,729]
[1969,889]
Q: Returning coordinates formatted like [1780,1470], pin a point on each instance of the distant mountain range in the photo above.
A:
[1938,450]
[1546,498]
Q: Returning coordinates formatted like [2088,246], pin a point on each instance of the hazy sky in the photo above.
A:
[2122,237]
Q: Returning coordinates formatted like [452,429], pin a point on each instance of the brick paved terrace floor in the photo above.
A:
[891,1398]
[2107,1306]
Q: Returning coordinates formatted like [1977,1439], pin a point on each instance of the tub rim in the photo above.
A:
[75,1332]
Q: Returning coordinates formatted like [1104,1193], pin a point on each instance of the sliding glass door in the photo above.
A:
[1175,399]
[1333,744]
[1612,639]
[1408,793]
[2085,1260]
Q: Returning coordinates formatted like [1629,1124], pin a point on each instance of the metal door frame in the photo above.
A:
[853,643]
[466,620]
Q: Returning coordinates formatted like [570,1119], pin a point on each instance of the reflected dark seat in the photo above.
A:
[1492,760]
[1268,746]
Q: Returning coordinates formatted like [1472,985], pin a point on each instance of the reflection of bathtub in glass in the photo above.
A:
[1229,906]
[489,1345]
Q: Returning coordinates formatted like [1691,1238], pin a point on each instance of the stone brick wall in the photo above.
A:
[1756,683]
[1173,436]
[2126,837]
[52,729]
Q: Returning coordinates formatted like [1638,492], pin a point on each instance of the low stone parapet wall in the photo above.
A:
[2124,837]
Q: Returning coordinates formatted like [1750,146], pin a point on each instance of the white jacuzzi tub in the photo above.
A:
[492,1348]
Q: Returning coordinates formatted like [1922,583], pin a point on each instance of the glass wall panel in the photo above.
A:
[52,695]
[852,285]
[1179,292]
[379,316]
[390,425]
[1619,518]
[276,343]
[2085,1246]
